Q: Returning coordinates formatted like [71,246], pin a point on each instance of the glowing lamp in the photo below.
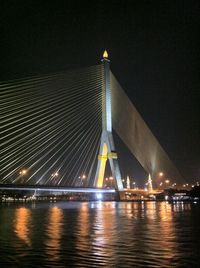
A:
[105,55]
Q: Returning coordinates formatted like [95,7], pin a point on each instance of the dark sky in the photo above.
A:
[154,51]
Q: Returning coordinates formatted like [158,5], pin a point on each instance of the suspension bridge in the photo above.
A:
[57,130]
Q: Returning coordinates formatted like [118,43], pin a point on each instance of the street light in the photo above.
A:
[160,176]
[54,176]
[105,183]
[23,172]
[83,177]
[111,180]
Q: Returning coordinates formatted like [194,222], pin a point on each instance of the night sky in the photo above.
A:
[154,50]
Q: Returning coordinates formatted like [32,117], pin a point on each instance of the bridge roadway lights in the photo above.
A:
[120,195]
[54,189]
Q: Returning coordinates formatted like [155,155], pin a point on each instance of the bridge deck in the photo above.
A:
[54,188]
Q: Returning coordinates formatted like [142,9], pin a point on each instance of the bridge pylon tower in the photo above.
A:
[107,148]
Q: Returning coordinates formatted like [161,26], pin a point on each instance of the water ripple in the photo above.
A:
[96,234]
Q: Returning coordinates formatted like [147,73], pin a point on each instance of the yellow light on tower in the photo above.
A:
[105,55]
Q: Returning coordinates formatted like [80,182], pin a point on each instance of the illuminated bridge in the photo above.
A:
[47,188]
[57,130]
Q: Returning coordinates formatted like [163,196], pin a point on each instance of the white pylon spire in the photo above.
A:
[107,147]
[128,182]
[150,187]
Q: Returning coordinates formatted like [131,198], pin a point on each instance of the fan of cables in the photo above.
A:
[51,128]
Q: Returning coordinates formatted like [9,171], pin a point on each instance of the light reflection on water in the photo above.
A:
[94,234]
[22,224]
[54,232]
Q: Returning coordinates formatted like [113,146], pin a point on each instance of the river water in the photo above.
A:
[100,234]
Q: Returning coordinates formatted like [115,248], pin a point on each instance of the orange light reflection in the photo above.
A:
[22,224]
[54,232]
